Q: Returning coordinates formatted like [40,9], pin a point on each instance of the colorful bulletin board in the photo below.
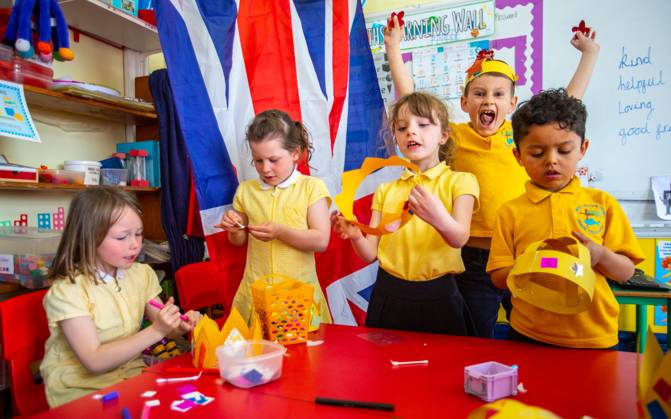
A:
[662,274]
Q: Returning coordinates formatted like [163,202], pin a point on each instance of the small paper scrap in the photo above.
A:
[182,405]
[197,397]
[314,342]
[97,396]
[521,389]
[148,394]
[152,403]
[403,363]
[176,380]
[186,388]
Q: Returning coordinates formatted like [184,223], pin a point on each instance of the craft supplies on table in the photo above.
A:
[250,363]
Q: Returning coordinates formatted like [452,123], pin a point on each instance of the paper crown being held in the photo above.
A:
[555,275]
[485,63]
[654,381]
[389,223]
[207,337]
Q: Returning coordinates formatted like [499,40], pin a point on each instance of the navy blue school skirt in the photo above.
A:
[434,306]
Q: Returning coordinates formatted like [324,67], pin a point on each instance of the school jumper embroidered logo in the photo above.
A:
[591,218]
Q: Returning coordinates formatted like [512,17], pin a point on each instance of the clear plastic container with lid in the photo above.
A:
[136,163]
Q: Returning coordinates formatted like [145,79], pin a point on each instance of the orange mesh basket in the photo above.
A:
[283,305]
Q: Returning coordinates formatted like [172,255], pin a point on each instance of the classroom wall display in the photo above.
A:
[662,274]
[629,122]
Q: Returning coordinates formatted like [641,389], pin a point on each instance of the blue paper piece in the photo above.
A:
[253,376]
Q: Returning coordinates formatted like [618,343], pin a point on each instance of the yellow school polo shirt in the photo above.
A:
[541,214]
[417,252]
[492,162]
[115,314]
[285,204]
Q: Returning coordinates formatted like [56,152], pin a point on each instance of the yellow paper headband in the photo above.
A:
[351,181]
[555,275]
[485,63]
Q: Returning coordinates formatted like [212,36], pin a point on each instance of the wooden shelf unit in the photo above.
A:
[48,99]
[55,187]
[102,21]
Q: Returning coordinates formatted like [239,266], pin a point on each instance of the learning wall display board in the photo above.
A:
[629,122]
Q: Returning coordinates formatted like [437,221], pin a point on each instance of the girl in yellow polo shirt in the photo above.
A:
[283,215]
[484,146]
[99,297]
[416,287]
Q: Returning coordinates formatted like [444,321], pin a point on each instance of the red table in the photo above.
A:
[354,363]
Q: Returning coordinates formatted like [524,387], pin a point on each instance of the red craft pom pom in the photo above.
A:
[398,15]
[581,28]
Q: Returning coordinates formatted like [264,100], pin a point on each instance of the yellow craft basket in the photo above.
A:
[283,305]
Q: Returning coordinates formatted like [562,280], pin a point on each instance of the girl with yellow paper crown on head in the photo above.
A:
[283,215]
[98,298]
[415,288]
[483,146]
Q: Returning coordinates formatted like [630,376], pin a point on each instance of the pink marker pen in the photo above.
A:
[160,306]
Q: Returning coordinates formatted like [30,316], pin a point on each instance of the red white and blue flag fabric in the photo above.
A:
[230,59]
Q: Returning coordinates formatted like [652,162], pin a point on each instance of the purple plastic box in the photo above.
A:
[490,380]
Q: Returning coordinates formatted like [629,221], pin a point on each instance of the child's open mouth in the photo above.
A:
[487,118]
[412,145]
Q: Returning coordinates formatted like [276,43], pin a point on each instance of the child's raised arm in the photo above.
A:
[589,48]
[81,334]
[402,80]
[314,239]
[455,228]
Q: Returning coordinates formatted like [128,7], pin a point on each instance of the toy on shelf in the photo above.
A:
[137,167]
[53,38]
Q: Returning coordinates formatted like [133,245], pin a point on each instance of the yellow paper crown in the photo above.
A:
[654,381]
[555,275]
[351,181]
[207,337]
[485,63]
[510,409]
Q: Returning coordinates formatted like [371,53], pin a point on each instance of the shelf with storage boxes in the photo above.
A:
[26,255]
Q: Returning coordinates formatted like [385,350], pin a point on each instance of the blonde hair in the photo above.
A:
[423,105]
[275,123]
[91,214]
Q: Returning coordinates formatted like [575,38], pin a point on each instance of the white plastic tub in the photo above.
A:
[251,363]
[91,170]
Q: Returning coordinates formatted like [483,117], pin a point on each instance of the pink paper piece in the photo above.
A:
[183,405]
[549,262]
[186,388]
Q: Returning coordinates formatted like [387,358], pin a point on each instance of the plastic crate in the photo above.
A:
[25,258]
[490,380]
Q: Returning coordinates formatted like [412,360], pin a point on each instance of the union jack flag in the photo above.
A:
[230,59]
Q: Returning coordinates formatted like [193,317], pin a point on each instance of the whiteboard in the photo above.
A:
[629,97]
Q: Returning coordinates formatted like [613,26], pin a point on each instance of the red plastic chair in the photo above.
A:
[24,331]
[199,285]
